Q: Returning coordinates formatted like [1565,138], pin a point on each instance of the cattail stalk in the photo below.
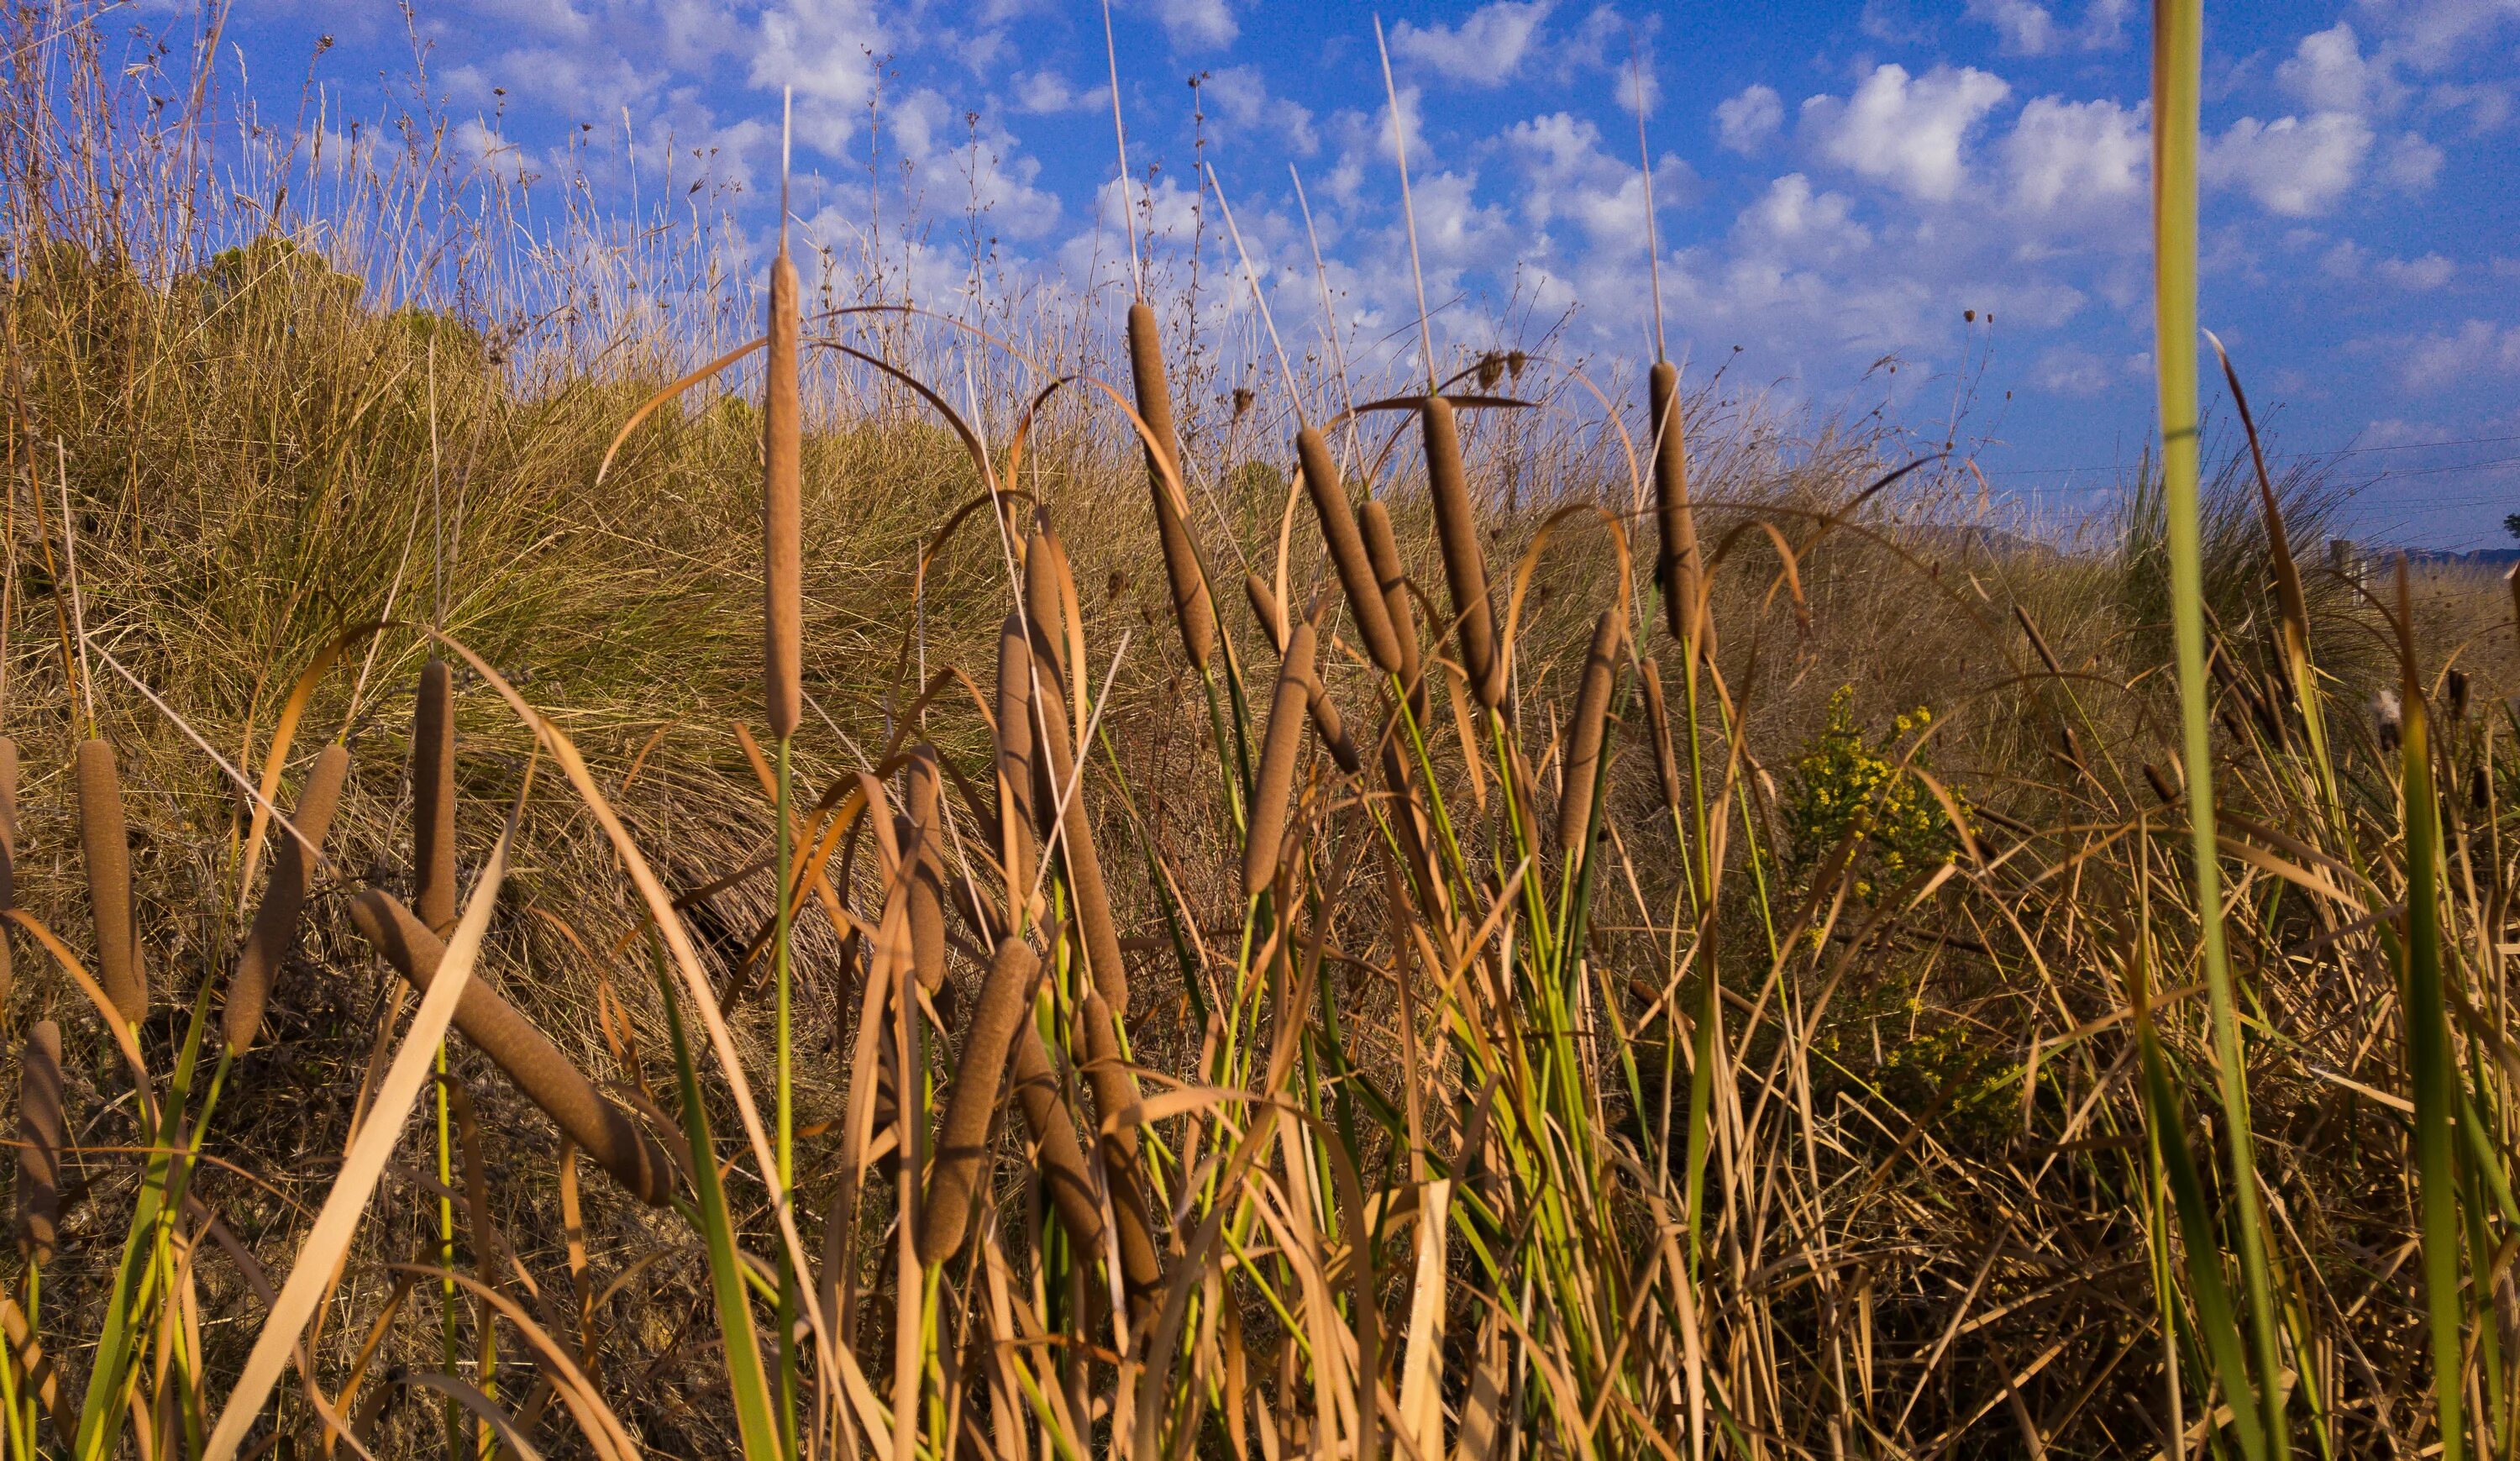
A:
[1383,550]
[781,509]
[1191,605]
[1279,747]
[1062,1159]
[292,876]
[1465,565]
[432,792]
[530,1060]
[1676,561]
[1365,599]
[1106,1069]
[7,857]
[964,1167]
[105,843]
[1580,769]
[40,1132]
[1015,755]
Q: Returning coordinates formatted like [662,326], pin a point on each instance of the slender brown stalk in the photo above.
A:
[433,795]
[602,1129]
[1383,549]
[1365,603]
[1676,562]
[1581,765]
[7,857]
[1192,606]
[40,1133]
[781,510]
[964,1152]
[1015,757]
[106,845]
[1106,1069]
[1465,564]
[274,934]
[1280,747]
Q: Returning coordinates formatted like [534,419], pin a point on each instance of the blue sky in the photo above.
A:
[1834,185]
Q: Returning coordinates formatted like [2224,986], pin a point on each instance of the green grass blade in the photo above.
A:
[2432,1075]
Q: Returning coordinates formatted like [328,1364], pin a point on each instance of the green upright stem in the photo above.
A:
[2177,67]
[780,976]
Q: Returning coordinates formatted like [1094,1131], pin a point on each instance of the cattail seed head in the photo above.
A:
[1580,769]
[782,508]
[105,843]
[1675,565]
[1016,759]
[1045,567]
[1063,1160]
[548,1078]
[1192,606]
[1264,608]
[1092,898]
[41,1133]
[1365,599]
[274,934]
[1666,760]
[2160,784]
[8,855]
[1465,565]
[925,851]
[1383,550]
[1279,747]
[1106,1070]
[433,795]
[963,1164]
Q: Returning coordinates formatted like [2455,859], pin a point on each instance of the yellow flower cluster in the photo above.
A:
[1841,781]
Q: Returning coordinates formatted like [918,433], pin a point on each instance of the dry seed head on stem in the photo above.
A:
[1106,1070]
[1383,549]
[1281,748]
[8,855]
[1465,565]
[40,1134]
[781,509]
[1365,605]
[1191,605]
[1015,757]
[1063,1160]
[274,933]
[548,1078]
[1581,767]
[1055,768]
[433,797]
[1676,562]
[923,853]
[962,1167]
[105,843]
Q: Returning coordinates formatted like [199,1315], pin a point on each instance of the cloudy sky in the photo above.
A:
[1834,191]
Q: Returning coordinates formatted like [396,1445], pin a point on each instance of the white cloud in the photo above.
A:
[826,52]
[2343,262]
[2293,166]
[2409,163]
[2077,157]
[2025,28]
[1197,24]
[1567,174]
[1046,92]
[1238,97]
[2329,72]
[1483,50]
[2445,357]
[1791,221]
[1745,121]
[2066,370]
[2431,271]
[1910,133]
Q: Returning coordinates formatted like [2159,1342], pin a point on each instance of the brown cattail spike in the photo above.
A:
[1382,548]
[40,1132]
[1676,560]
[7,857]
[1016,759]
[107,847]
[1465,564]
[1325,713]
[781,509]
[924,853]
[1091,900]
[1665,759]
[548,1078]
[1045,566]
[1581,768]
[1107,1069]
[1192,606]
[1264,608]
[1280,746]
[962,1168]
[1062,1159]
[433,797]
[1356,573]
[275,924]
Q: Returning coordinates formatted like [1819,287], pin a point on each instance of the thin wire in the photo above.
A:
[1645,160]
[78,614]
[1400,151]
[1120,136]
